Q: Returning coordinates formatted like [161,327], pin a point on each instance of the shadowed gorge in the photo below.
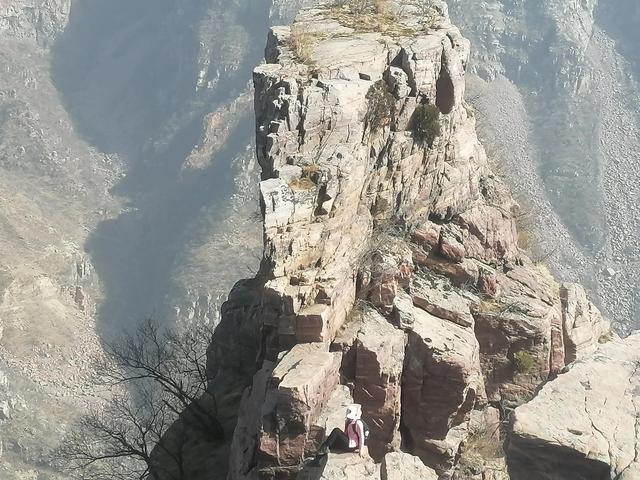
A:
[135,80]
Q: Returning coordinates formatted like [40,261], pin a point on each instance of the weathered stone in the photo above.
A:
[441,383]
[392,266]
[584,424]
[437,296]
[243,446]
[299,388]
[379,360]
[451,246]
[403,466]
[403,311]
[427,235]
[582,322]
[505,330]
[341,466]
[492,233]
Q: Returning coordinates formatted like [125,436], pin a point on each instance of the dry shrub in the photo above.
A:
[301,184]
[303,44]
[382,106]
[367,16]
[482,446]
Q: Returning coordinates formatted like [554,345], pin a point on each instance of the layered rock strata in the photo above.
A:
[391,264]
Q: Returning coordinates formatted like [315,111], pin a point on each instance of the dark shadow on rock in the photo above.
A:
[314,469]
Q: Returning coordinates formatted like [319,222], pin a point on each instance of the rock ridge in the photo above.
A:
[391,273]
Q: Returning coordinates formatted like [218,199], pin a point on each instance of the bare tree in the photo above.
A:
[158,378]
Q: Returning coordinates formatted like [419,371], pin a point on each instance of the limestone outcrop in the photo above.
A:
[391,274]
[584,424]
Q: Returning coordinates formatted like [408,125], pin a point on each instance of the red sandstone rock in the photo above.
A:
[437,296]
[427,235]
[299,388]
[379,360]
[441,382]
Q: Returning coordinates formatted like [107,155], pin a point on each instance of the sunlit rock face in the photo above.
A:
[583,425]
[390,247]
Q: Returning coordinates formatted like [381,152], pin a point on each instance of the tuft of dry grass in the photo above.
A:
[367,16]
[301,184]
[375,16]
[482,446]
[303,44]
[606,337]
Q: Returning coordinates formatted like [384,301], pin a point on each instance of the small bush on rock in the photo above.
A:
[382,106]
[522,362]
[425,124]
[481,447]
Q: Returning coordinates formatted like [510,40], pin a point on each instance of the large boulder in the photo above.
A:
[350,466]
[379,359]
[441,384]
[583,425]
[583,324]
[300,387]
[403,466]
[341,466]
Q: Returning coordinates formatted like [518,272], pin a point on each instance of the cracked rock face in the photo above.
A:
[391,274]
[584,424]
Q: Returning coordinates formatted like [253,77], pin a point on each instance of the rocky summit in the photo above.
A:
[392,275]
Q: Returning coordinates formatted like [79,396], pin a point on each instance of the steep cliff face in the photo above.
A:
[391,265]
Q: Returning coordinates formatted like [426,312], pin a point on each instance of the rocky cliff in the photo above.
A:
[584,425]
[391,273]
[561,73]
[40,20]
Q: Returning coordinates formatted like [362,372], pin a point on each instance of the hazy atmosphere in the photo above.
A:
[145,168]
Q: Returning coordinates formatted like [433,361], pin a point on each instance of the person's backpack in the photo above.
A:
[365,429]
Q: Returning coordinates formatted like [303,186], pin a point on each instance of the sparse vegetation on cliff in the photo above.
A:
[303,44]
[425,124]
[308,179]
[365,15]
[522,362]
[377,16]
[159,382]
[382,106]
[482,448]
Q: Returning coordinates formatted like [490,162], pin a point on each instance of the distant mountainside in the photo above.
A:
[564,76]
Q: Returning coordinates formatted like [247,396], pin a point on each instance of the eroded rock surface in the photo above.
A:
[584,424]
[391,264]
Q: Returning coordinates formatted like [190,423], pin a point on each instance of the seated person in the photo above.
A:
[351,439]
